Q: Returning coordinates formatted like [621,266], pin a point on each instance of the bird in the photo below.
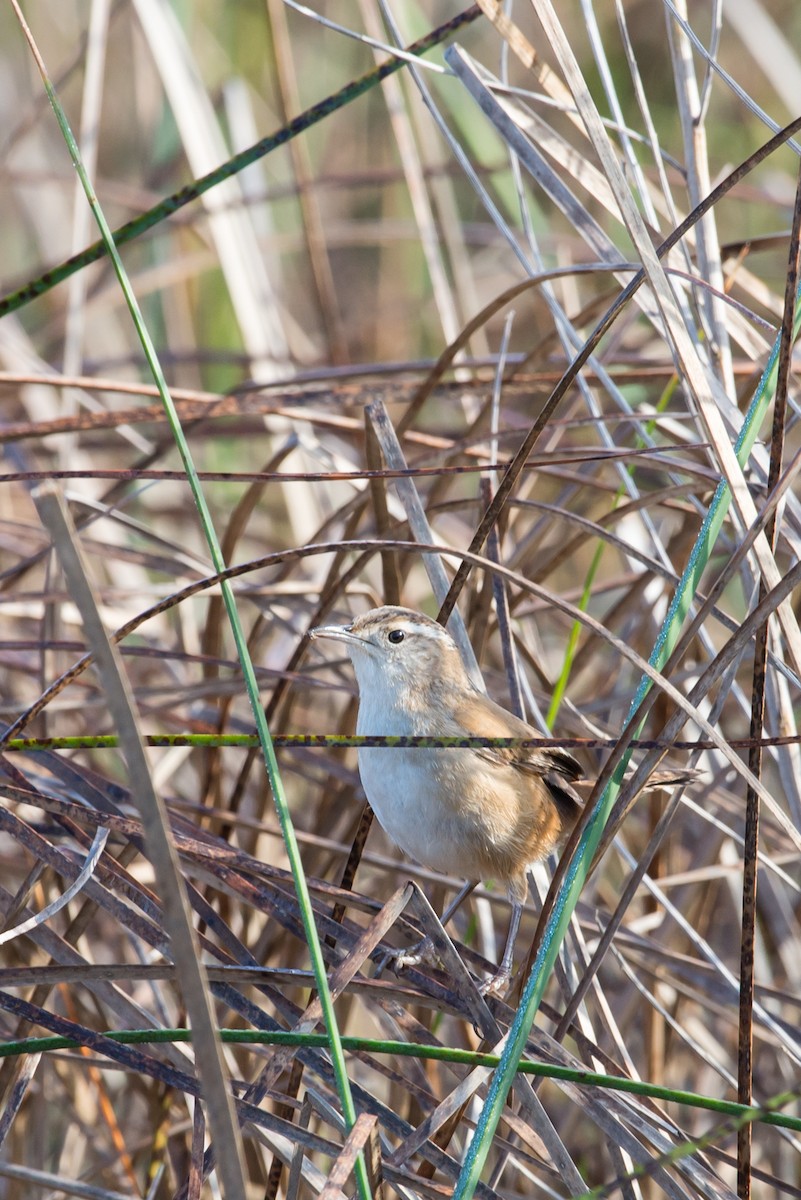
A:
[480,813]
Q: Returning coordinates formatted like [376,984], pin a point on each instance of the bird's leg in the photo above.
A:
[497,983]
[422,949]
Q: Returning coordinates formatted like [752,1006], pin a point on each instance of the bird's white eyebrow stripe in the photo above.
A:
[409,625]
[433,633]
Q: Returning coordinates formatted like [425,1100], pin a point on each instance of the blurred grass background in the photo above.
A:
[331,274]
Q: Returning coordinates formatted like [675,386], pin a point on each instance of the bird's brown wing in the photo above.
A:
[555,767]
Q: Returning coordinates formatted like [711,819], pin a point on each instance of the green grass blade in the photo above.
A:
[240,640]
[766,1113]
[578,869]
[178,200]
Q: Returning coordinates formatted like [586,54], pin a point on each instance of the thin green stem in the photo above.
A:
[765,1114]
[240,640]
[355,741]
[578,869]
[178,200]
[586,595]
[575,632]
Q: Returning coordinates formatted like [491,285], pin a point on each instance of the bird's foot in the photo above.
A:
[400,959]
[497,984]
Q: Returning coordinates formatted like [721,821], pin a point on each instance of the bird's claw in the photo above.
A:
[497,984]
[400,959]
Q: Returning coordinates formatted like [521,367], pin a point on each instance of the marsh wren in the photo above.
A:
[475,812]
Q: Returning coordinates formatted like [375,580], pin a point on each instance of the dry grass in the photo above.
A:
[295,309]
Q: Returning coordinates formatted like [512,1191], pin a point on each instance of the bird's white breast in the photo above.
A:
[405,790]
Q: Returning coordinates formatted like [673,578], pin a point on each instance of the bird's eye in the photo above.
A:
[396,635]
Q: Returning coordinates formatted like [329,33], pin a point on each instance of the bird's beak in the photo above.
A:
[338,633]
